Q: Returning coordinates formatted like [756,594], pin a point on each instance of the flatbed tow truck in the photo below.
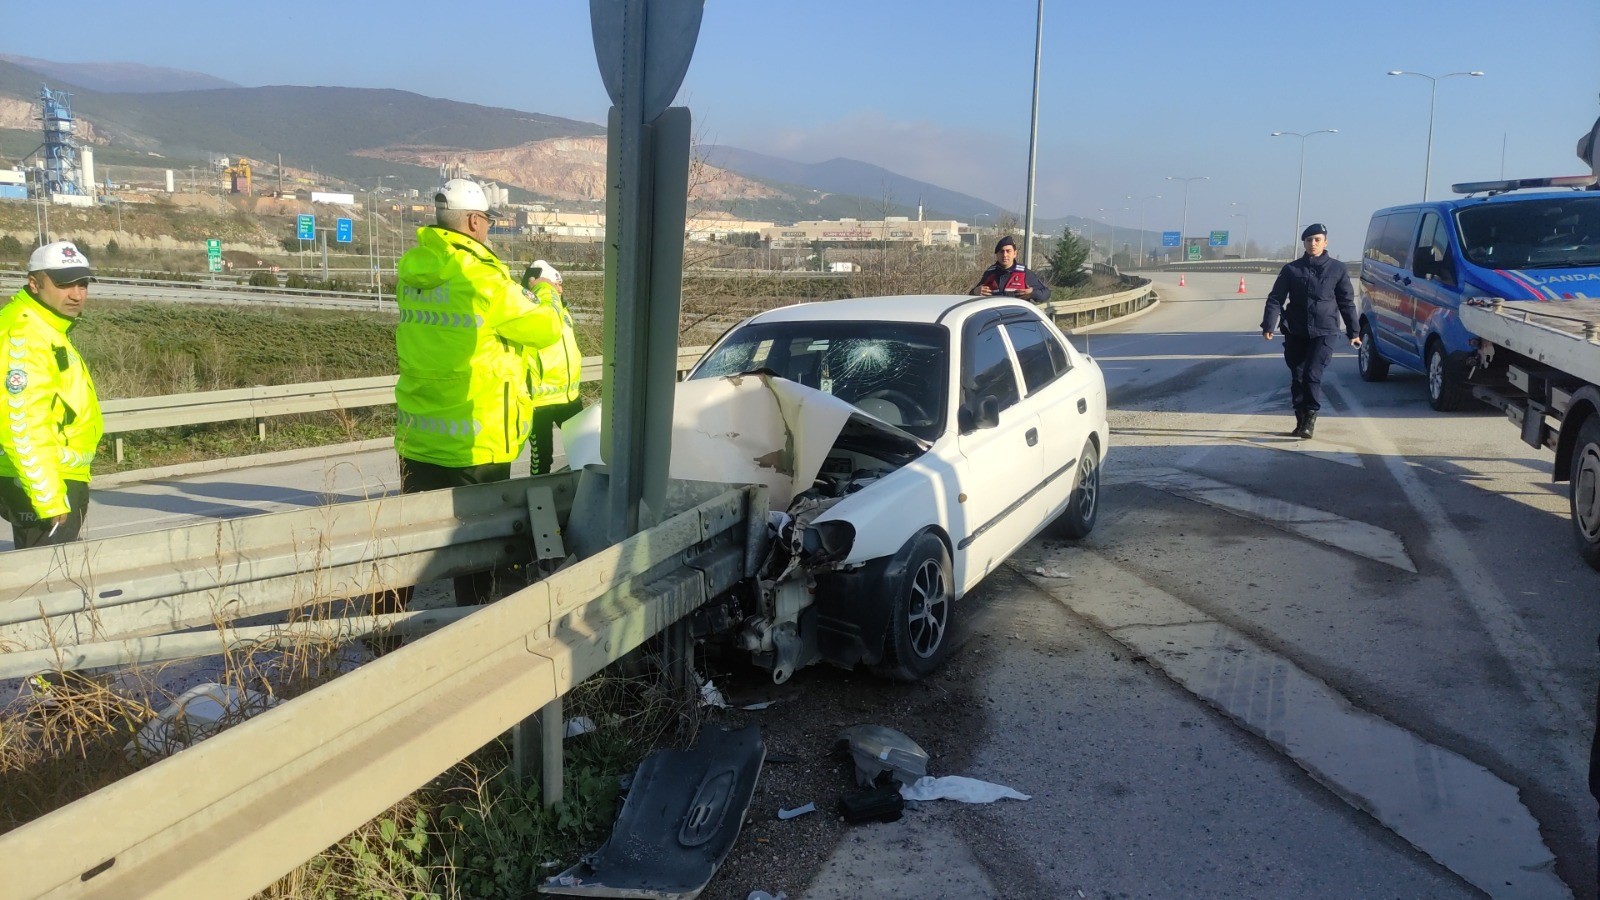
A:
[1549,357]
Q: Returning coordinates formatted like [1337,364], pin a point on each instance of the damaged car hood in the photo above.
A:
[755,428]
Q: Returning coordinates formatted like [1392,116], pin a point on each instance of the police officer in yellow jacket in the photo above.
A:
[52,423]
[553,372]
[463,402]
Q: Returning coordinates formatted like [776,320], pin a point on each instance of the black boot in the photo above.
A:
[1310,424]
[1299,423]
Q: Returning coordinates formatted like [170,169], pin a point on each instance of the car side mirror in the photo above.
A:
[988,412]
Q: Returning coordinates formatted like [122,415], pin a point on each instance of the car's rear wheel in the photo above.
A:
[1373,367]
[918,638]
[1083,506]
[1446,391]
[1585,493]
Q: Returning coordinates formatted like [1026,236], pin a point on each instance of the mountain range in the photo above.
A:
[141,117]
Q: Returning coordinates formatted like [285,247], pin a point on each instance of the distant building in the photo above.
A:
[925,233]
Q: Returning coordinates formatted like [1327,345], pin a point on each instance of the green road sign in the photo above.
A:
[214,254]
[1194,252]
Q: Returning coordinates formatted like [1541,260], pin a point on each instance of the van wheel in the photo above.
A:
[1446,393]
[919,619]
[1077,520]
[1373,367]
[1585,493]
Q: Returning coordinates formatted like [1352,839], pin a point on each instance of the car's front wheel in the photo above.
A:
[918,638]
[1077,520]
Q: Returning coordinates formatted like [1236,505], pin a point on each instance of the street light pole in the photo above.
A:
[1244,249]
[1142,202]
[1033,139]
[1183,225]
[1301,191]
[1433,90]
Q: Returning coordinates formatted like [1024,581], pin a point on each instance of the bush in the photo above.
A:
[10,247]
[263,279]
[1067,258]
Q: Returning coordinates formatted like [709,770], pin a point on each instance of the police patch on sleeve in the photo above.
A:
[16,380]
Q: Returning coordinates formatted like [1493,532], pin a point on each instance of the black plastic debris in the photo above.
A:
[880,804]
[677,824]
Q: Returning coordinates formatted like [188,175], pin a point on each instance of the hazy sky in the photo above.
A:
[940,90]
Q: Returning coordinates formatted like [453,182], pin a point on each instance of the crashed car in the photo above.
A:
[909,445]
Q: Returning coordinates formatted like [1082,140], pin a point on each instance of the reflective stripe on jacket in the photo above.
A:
[554,371]
[52,415]
[464,325]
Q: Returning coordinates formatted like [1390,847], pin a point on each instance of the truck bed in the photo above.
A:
[1561,334]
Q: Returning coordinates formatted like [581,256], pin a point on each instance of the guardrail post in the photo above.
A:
[117,442]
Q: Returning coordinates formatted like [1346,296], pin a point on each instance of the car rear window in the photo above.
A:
[904,362]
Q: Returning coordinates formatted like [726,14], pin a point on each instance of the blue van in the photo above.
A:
[1421,260]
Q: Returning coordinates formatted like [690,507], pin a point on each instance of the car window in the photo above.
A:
[1556,232]
[1432,258]
[896,371]
[1394,247]
[1033,346]
[987,370]
[1374,238]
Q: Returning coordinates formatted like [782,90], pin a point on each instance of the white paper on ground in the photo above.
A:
[958,787]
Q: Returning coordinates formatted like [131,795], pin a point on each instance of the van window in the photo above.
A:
[1547,233]
[1432,257]
[1394,247]
[1374,237]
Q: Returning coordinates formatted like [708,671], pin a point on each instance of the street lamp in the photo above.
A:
[1244,248]
[1183,225]
[1142,202]
[1301,191]
[1433,89]
[1033,138]
[1109,235]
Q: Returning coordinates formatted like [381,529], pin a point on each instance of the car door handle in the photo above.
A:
[1083,405]
[1032,436]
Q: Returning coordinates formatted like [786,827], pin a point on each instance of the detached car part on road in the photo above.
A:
[909,446]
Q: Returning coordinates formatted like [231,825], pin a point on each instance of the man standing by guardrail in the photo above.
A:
[52,423]
[1007,276]
[553,371]
[463,404]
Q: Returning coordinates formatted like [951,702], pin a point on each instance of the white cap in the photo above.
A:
[546,271]
[63,261]
[462,193]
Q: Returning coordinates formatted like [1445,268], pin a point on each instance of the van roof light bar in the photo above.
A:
[1518,184]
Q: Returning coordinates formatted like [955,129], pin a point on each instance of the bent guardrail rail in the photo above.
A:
[231,814]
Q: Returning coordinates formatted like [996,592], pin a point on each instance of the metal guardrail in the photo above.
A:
[1083,311]
[230,815]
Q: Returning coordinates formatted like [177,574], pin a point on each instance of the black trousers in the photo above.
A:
[541,441]
[27,529]
[416,477]
[1306,358]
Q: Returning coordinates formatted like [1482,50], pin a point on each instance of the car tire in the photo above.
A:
[1584,495]
[918,637]
[1373,367]
[1446,393]
[1083,505]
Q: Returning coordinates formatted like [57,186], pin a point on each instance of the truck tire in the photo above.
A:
[1585,491]
[1446,393]
[1372,366]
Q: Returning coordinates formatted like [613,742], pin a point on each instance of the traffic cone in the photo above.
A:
[1180,280]
[1241,284]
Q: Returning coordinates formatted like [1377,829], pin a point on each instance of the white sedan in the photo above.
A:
[909,445]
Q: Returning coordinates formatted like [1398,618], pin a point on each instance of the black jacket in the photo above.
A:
[997,279]
[1311,295]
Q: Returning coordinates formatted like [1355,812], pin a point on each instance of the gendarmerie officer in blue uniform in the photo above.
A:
[1310,297]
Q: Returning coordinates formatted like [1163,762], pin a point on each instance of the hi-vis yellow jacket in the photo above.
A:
[554,371]
[52,415]
[464,325]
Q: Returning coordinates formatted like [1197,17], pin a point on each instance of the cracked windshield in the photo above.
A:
[893,371]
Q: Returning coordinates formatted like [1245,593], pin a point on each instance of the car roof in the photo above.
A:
[928,308]
[1453,203]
